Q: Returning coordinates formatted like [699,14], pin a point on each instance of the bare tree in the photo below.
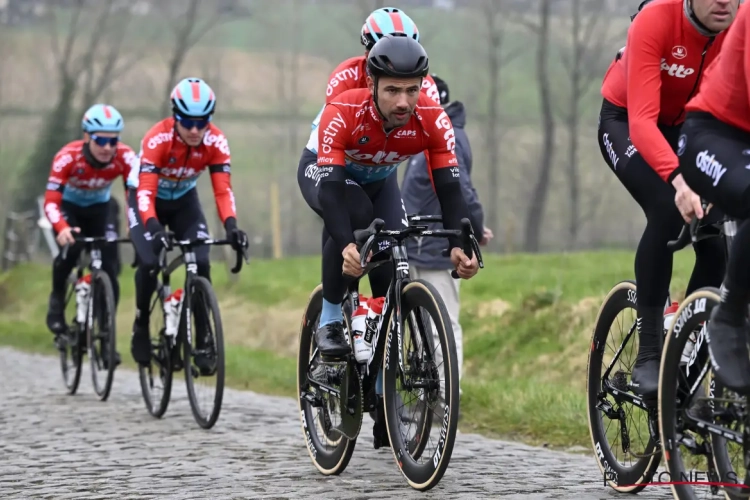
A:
[589,31]
[535,213]
[497,58]
[187,31]
[72,64]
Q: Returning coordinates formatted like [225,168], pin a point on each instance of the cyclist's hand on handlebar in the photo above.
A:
[239,239]
[688,203]
[237,236]
[65,237]
[352,266]
[464,267]
[158,235]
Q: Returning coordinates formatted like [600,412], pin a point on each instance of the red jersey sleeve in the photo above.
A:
[154,147]
[221,181]
[441,148]
[332,133]
[129,161]
[746,56]
[646,41]
[429,88]
[58,178]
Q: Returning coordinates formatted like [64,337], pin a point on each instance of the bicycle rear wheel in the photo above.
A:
[320,412]
[203,351]
[101,316]
[156,378]
[429,385]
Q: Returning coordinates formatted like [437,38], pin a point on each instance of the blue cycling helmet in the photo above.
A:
[102,118]
[193,98]
[386,21]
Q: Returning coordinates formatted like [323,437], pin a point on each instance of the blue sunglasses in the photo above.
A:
[103,141]
[189,123]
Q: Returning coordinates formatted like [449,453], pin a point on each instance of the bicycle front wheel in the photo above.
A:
[100,332]
[203,350]
[426,387]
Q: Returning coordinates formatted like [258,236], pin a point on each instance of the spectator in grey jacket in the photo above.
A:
[425,254]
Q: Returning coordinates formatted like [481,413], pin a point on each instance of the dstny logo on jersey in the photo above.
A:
[675,70]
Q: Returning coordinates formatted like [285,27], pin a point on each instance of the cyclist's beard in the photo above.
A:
[395,120]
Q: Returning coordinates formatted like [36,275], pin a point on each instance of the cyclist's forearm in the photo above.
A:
[148,183]
[452,202]
[335,213]
[222,186]
[52,209]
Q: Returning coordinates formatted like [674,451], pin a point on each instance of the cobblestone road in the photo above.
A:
[58,446]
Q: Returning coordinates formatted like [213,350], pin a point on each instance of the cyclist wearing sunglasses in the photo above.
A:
[173,155]
[77,198]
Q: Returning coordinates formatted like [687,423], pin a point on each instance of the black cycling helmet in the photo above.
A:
[399,56]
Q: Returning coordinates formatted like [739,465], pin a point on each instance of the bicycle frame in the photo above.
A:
[397,254]
[189,259]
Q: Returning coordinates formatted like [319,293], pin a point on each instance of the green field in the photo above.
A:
[527,324]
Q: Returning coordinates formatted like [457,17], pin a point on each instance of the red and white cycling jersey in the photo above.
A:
[725,90]
[658,73]
[351,135]
[352,74]
[170,168]
[73,180]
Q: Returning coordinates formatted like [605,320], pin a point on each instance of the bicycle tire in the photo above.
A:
[694,310]
[328,462]
[161,361]
[71,348]
[720,452]
[201,287]
[631,479]
[102,284]
[422,477]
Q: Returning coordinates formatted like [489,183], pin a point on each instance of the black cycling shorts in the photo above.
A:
[715,162]
[381,199]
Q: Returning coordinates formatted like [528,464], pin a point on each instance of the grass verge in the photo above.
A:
[527,322]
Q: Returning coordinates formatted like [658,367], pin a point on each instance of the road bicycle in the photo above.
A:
[188,328]
[693,405]
[333,395]
[628,457]
[93,326]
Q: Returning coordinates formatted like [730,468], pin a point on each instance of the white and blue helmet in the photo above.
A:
[193,98]
[102,118]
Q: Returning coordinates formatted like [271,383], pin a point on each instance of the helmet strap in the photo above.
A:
[376,81]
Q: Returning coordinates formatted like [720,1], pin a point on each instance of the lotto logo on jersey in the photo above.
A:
[381,157]
[675,70]
[143,200]
[431,90]
[94,183]
[53,212]
[217,140]
[444,123]
[62,162]
[179,173]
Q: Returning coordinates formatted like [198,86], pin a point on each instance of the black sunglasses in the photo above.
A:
[103,141]
[189,123]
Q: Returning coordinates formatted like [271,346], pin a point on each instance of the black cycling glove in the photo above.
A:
[238,237]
